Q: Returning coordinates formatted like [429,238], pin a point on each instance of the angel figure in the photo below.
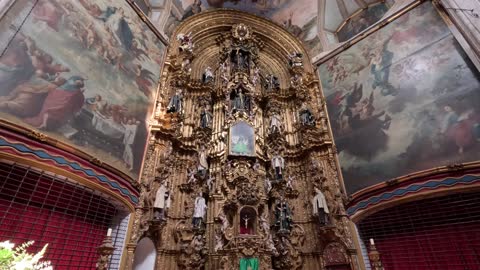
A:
[191,176]
[268,185]
[225,222]
[295,59]
[290,182]
[264,224]
[211,184]
[218,241]
[186,44]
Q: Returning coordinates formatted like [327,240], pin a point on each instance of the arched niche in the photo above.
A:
[336,257]
[145,255]
[248,221]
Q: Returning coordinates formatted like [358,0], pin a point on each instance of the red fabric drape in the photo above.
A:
[70,218]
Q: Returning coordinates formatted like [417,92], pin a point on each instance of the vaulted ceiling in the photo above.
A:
[320,24]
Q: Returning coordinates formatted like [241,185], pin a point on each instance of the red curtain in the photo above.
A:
[439,233]
[69,217]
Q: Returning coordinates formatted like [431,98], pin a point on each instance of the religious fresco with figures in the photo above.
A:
[83,72]
[299,17]
[362,21]
[402,100]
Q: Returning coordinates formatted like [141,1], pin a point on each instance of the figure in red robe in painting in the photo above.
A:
[47,12]
[144,80]
[458,129]
[60,105]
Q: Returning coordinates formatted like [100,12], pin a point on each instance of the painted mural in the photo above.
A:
[84,72]
[299,17]
[362,21]
[403,99]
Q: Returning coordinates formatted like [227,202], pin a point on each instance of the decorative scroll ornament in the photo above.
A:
[335,254]
[247,193]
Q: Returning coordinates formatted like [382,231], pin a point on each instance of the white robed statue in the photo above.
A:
[275,123]
[162,202]
[320,206]
[199,211]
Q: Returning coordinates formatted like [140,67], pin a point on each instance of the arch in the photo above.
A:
[248,220]
[145,255]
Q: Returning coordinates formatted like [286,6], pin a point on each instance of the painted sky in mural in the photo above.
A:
[84,72]
[297,16]
[402,100]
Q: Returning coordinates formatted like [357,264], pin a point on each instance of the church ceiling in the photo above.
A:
[318,23]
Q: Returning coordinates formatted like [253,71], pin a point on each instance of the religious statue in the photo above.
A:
[278,164]
[206,117]
[239,103]
[283,216]
[275,123]
[191,175]
[175,104]
[256,165]
[186,44]
[268,185]
[162,202]
[199,211]
[306,116]
[186,66]
[295,59]
[225,222]
[223,72]
[272,83]
[256,76]
[241,59]
[197,243]
[290,182]
[320,207]
[264,225]
[218,241]
[207,75]
[211,184]
[296,80]
[202,162]
[246,227]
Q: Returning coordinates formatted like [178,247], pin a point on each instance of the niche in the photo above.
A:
[248,221]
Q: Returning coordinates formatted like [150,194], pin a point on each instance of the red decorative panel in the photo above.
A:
[438,233]
[69,217]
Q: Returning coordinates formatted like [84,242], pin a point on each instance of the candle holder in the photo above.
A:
[374,257]
[105,251]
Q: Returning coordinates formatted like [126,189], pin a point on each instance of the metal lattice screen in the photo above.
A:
[438,233]
[42,207]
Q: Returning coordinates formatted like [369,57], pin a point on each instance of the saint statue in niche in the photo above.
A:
[320,207]
[242,140]
[175,104]
[283,216]
[199,211]
[206,117]
[239,100]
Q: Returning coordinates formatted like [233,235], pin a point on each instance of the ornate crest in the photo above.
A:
[247,193]
[241,32]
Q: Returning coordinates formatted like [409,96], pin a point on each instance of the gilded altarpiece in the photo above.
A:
[241,171]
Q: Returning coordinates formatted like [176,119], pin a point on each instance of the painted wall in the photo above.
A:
[362,21]
[84,72]
[297,16]
[403,99]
